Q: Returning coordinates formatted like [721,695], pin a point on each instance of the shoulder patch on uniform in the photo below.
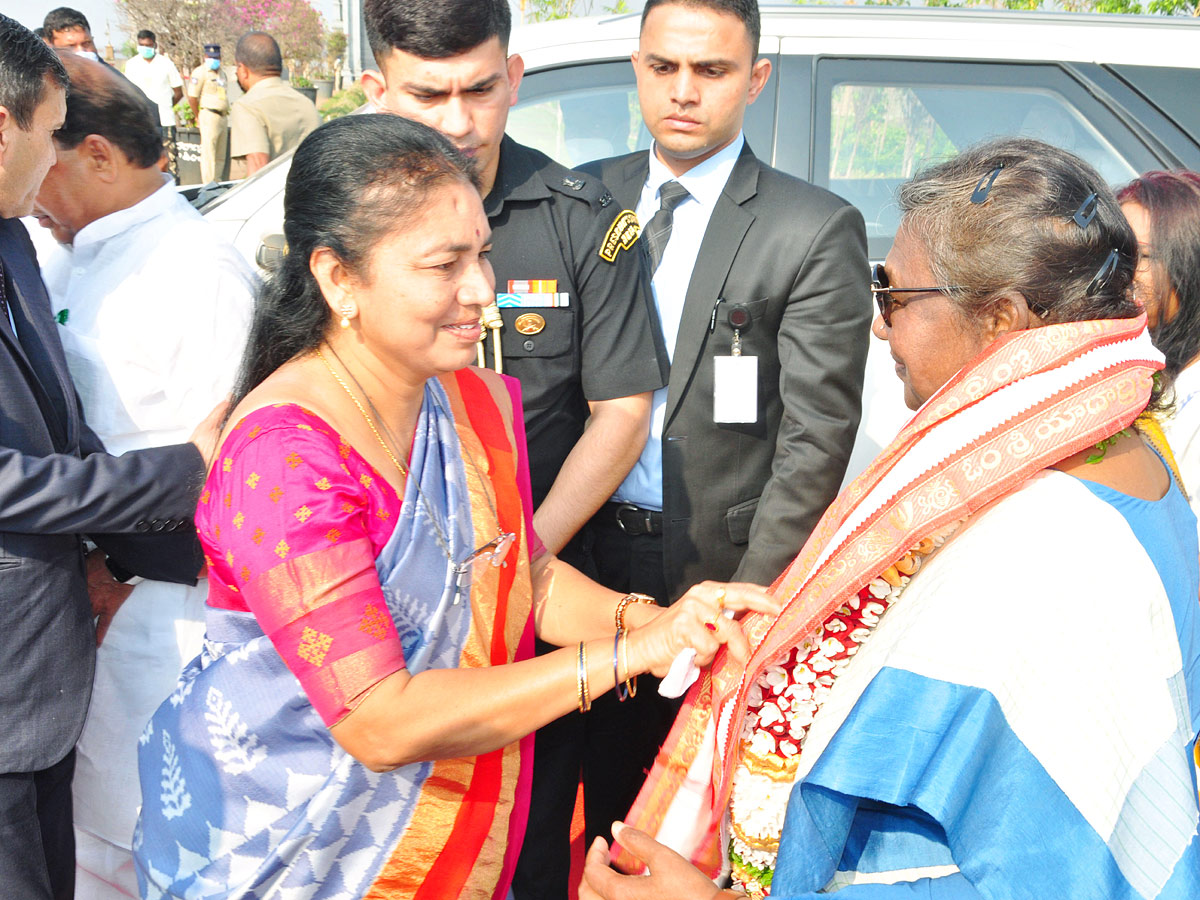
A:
[575,184]
[622,235]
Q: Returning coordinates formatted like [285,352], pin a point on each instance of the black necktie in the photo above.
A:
[658,230]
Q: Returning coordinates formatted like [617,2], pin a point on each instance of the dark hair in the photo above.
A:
[259,52]
[434,29]
[64,19]
[40,32]
[745,10]
[25,64]
[1172,204]
[146,35]
[353,181]
[1021,235]
[104,102]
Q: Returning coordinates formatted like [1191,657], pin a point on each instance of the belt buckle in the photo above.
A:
[622,508]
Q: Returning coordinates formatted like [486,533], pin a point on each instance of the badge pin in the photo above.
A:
[529,323]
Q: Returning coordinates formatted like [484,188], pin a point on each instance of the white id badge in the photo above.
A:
[735,389]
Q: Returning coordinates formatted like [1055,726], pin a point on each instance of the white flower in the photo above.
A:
[835,626]
[832,647]
[819,663]
[879,588]
[775,678]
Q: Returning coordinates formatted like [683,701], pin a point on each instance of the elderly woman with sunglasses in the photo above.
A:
[985,677]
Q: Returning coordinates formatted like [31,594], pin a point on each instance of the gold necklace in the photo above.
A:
[495,550]
[366,418]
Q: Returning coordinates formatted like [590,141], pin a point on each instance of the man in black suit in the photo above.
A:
[56,485]
[761,284]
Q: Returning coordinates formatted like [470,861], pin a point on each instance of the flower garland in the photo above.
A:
[783,703]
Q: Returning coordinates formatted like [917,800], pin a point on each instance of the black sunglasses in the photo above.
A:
[882,290]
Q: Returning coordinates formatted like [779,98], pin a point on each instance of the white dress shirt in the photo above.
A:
[157,78]
[157,307]
[704,183]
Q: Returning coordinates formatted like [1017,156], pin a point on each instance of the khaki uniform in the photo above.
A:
[270,118]
[209,88]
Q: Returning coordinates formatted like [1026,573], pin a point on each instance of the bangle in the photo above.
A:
[630,683]
[622,693]
[619,618]
[585,702]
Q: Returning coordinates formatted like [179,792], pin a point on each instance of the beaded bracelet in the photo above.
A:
[619,618]
[585,702]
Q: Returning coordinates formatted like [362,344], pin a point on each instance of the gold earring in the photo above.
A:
[347,309]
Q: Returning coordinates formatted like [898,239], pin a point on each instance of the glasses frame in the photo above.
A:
[494,551]
[882,291]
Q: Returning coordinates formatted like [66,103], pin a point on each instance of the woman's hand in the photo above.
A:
[696,621]
[671,877]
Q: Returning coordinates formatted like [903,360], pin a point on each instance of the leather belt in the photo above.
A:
[634,520]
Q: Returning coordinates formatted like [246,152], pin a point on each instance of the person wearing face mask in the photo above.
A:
[156,76]
[68,29]
[208,97]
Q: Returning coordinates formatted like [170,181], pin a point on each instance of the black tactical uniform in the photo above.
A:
[551,224]
[585,330]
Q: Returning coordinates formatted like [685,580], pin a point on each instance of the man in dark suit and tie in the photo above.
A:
[761,285]
[56,486]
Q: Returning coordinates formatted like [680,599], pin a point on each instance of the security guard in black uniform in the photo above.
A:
[573,322]
[564,281]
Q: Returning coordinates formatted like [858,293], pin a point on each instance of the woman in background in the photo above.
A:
[1164,210]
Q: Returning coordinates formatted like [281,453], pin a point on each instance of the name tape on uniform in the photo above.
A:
[622,234]
[532,301]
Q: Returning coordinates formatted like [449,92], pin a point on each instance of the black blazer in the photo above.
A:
[56,486]
[740,500]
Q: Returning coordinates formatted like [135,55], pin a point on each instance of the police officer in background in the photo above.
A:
[208,97]
[574,319]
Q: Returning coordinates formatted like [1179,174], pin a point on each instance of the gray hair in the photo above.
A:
[1017,216]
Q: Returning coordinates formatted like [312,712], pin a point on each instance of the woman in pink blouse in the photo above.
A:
[357,722]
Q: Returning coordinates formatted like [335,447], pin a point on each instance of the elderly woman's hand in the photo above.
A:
[695,621]
[671,877]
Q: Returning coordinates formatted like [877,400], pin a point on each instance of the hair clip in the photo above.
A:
[984,187]
[1109,266]
[1086,212]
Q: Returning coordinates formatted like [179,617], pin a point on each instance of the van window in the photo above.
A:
[873,133]
[578,126]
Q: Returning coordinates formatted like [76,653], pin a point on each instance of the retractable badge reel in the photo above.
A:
[735,377]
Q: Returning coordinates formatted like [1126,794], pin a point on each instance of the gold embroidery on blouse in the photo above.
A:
[253,480]
[332,535]
[258,535]
[238,521]
[281,549]
[323,484]
[365,480]
[314,645]
[276,493]
[245,573]
[303,513]
[293,459]
[229,557]
[204,497]
[373,622]
[227,464]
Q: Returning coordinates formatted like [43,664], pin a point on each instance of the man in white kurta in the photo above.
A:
[154,306]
